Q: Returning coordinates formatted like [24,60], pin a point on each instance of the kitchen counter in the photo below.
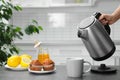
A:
[59,74]
[57,42]
[54,42]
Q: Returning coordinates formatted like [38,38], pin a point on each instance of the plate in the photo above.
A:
[16,68]
[41,72]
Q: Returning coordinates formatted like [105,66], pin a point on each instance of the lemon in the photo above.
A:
[25,61]
[13,61]
[26,55]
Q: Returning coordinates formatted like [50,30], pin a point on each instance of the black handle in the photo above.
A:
[107,27]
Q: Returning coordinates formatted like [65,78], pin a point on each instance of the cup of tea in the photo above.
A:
[75,67]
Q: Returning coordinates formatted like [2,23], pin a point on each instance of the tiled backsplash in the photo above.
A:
[56,26]
[60,23]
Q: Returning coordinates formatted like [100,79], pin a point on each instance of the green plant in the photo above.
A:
[8,32]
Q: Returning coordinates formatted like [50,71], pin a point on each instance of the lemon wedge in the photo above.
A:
[25,61]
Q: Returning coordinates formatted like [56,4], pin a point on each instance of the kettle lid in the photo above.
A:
[86,22]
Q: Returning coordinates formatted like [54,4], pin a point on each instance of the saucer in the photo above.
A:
[15,68]
[42,72]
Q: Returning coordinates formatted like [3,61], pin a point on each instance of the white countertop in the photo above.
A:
[57,42]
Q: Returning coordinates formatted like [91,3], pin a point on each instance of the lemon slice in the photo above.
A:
[26,55]
[25,61]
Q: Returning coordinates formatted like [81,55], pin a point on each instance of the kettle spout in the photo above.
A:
[82,33]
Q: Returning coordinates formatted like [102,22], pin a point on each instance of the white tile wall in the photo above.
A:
[53,30]
[61,23]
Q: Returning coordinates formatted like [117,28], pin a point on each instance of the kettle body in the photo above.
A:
[96,38]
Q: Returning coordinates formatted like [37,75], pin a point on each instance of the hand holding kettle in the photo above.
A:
[95,37]
[110,18]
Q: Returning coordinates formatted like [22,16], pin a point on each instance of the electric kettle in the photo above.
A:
[95,37]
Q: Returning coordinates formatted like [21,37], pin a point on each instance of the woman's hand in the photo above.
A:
[107,19]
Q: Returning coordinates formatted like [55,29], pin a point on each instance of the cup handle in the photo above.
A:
[89,66]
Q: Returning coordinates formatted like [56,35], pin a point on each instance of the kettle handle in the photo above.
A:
[107,27]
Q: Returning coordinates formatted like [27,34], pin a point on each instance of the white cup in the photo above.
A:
[75,67]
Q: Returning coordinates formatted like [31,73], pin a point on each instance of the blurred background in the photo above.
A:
[60,19]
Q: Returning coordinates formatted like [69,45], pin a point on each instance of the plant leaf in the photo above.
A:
[18,8]
[36,30]
[40,27]
[21,33]
[17,29]
[34,21]
[3,56]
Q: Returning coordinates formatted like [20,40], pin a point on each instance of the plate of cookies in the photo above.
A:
[48,66]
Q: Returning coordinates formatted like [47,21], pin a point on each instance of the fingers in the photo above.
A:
[103,19]
[104,22]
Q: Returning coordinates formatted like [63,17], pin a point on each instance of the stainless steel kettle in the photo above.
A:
[95,37]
